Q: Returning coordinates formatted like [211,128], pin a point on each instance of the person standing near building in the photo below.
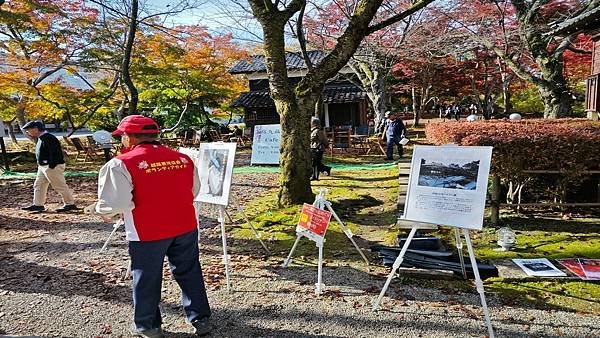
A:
[394,131]
[51,169]
[152,187]
[318,144]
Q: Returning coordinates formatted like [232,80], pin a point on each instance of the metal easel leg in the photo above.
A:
[256,233]
[346,231]
[228,217]
[479,283]
[224,238]
[288,260]
[459,247]
[112,233]
[395,267]
[319,286]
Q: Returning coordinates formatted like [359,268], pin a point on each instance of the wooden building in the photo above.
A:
[588,23]
[344,103]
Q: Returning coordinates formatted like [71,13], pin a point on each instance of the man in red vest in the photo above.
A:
[153,187]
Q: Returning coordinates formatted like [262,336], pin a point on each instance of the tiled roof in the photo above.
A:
[586,20]
[294,61]
[331,94]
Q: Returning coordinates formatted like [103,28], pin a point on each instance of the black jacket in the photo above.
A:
[48,151]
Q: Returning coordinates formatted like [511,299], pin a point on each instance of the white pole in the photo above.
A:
[319,285]
[115,227]
[288,260]
[255,231]
[346,231]
[479,283]
[395,267]
[224,238]
[459,247]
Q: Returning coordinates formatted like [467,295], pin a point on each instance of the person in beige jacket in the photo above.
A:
[51,169]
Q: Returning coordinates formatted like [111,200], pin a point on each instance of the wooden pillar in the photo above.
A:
[495,205]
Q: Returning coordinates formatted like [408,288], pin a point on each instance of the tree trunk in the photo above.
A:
[11,133]
[20,113]
[415,104]
[133,92]
[557,100]
[378,100]
[295,158]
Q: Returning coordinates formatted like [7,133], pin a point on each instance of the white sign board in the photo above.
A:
[2,132]
[215,168]
[448,185]
[265,144]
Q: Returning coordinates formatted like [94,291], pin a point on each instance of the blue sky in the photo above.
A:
[220,16]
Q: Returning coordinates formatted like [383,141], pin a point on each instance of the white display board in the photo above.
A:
[448,185]
[2,132]
[192,153]
[215,168]
[265,144]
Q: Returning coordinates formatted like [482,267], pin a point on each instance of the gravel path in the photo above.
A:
[54,283]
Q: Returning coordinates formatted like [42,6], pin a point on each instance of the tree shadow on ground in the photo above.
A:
[229,322]
[25,277]
[35,222]
[519,223]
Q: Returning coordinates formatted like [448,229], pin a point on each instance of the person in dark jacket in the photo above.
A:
[394,131]
[51,169]
[318,143]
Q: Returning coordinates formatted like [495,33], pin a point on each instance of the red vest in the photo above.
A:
[163,194]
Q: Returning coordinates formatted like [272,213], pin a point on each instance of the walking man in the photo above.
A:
[318,144]
[153,187]
[51,169]
[394,131]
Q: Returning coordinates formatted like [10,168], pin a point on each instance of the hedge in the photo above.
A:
[568,145]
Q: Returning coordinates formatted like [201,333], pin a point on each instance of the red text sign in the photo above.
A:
[314,219]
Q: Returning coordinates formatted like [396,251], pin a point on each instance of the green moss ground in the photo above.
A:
[366,201]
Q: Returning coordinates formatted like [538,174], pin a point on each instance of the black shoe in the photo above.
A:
[67,208]
[314,179]
[33,207]
[389,159]
[202,326]
[328,171]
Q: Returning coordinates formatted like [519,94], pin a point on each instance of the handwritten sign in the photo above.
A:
[265,144]
[314,220]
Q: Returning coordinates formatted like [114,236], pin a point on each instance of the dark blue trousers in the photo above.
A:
[147,268]
[390,148]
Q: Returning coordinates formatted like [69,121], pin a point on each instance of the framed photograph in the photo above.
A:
[215,168]
[448,185]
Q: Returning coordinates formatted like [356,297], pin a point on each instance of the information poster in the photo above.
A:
[314,222]
[448,185]
[265,144]
[215,169]
[539,267]
[586,269]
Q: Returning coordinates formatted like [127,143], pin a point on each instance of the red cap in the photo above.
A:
[137,124]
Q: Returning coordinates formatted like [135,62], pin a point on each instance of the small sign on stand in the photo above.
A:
[265,144]
[447,186]
[313,224]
